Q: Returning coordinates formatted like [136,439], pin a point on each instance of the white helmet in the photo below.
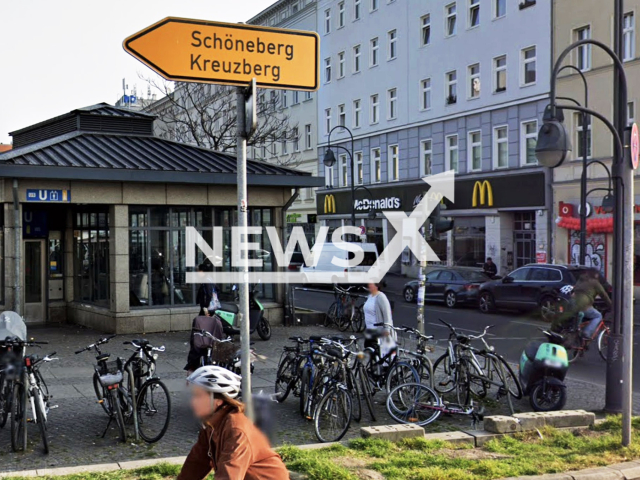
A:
[216,380]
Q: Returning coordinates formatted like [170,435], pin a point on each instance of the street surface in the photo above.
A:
[76,426]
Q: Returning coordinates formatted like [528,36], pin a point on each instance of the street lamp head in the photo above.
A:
[608,203]
[329,158]
[553,143]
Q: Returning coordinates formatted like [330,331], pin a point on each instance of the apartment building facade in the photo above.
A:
[431,86]
[300,149]
[575,20]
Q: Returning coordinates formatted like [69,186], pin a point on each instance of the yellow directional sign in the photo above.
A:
[186,50]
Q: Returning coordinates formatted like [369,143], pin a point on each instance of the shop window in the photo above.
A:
[91,257]
[469,237]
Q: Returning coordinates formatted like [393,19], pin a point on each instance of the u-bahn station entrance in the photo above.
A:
[98,207]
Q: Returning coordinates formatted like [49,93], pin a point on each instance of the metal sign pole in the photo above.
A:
[241,153]
[421,287]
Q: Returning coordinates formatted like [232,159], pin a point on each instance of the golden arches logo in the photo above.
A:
[329,204]
[486,194]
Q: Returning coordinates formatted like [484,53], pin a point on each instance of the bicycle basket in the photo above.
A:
[223,352]
[111,373]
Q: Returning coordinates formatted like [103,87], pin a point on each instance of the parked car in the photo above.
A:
[534,286]
[452,286]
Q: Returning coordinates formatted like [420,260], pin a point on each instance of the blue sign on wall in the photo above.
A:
[47,195]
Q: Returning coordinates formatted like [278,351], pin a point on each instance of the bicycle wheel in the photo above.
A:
[102,395]
[356,397]
[399,373]
[332,315]
[344,320]
[510,381]
[505,388]
[19,418]
[463,382]
[117,411]
[333,415]
[365,388]
[444,374]
[285,378]
[603,343]
[42,422]
[414,403]
[154,410]
[357,324]
[305,380]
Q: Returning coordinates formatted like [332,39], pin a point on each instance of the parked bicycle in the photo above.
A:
[153,402]
[223,353]
[418,359]
[30,394]
[345,312]
[471,371]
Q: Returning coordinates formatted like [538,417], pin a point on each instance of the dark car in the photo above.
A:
[449,285]
[534,286]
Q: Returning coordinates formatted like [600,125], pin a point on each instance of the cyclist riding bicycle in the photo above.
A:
[229,443]
[585,291]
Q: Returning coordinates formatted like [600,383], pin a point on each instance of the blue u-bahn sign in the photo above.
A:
[48,195]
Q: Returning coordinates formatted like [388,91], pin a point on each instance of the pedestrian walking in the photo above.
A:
[229,444]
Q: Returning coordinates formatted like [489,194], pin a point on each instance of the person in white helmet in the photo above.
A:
[229,444]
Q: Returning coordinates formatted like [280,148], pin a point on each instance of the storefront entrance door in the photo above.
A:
[34,281]
[524,238]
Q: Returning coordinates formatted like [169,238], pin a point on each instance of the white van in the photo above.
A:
[327,251]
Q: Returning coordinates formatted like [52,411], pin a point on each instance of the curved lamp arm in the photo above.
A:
[584,82]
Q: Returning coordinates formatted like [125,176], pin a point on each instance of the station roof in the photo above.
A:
[108,156]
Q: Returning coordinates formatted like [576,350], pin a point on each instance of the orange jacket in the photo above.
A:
[234,449]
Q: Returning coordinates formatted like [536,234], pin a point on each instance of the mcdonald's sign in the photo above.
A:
[329,204]
[486,194]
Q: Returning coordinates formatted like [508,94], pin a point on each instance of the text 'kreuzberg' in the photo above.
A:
[228,43]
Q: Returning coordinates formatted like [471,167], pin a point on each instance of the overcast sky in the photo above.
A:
[56,56]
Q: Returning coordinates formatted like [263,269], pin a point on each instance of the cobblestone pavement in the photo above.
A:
[75,427]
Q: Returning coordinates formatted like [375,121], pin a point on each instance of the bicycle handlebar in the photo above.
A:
[101,341]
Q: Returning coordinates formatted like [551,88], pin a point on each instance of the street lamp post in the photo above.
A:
[551,150]
[330,160]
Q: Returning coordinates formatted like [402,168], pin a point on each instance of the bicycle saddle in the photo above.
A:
[141,341]
[334,352]
[103,356]
[315,338]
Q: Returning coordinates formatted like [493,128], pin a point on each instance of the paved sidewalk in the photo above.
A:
[75,427]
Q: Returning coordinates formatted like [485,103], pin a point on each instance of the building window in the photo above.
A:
[327,118]
[307,137]
[474,155]
[500,147]
[451,143]
[500,73]
[425,30]
[376,166]
[356,59]
[374,5]
[450,19]
[341,15]
[296,139]
[393,38]
[294,8]
[425,157]
[327,21]
[392,98]
[375,109]
[328,176]
[528,140]
[284,100]
[451,79]
[374,52]
[356,10]
[342,115]
[583,52]
[327,70]
[295,97]
[91,257]
[528,57]
[341,68]
[359,168]
[283,141]
[425,94]
[474,81]
[631,113]
[344,171]
[307,96]
[580,136]
[474,13]
[357,113]
[629,37]
[499,8]
[394,163]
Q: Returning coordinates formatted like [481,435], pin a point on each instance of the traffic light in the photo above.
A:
[438,224]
